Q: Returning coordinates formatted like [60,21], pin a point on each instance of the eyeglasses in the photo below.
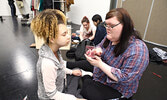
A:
[111,26]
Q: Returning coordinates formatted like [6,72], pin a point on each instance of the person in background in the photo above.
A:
[74,36]
[123,59]
[99,35]
[74,39]
[50,25]
[100,30]
[1,18]
[13,8]
[86,30]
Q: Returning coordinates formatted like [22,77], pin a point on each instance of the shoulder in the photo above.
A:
[101,29]
[93,27]
[137,46]
[48,64]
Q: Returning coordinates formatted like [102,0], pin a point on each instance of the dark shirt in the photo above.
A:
[10,2]
[47,4]
[100,33]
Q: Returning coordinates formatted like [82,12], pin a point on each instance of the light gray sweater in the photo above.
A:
[50,75]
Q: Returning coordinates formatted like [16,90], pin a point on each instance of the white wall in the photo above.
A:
[88,8]
[4,8]
[6,11]
[79,9]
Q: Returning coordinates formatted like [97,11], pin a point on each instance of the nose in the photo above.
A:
[108,30]
[85,26]
[68,36]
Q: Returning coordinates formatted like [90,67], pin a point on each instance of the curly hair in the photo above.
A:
[45,24]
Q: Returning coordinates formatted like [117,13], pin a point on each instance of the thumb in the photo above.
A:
[97,57]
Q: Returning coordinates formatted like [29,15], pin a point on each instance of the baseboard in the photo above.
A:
[155,43]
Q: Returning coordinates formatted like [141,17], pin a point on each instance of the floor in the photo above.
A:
[18,71]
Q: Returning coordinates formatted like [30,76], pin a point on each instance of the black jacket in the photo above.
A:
[47,4]
[100,33]
[10,2]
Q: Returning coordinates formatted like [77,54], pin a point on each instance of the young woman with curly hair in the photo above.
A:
[50,25]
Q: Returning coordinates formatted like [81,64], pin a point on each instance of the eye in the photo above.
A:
[64,34]
[111,25]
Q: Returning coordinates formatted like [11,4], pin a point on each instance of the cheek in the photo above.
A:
[117,35]
[114,35]
[60,42]
[95,24]
[63,40]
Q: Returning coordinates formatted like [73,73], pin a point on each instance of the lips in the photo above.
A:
[109,33]
[68,41]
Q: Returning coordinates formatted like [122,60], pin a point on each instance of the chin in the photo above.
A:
[67,43]
[109,37]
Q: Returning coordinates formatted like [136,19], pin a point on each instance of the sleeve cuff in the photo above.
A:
[113,71]
[68,71]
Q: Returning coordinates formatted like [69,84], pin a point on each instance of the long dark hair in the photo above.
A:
[127,31]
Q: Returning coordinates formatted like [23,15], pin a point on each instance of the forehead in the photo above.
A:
[84,23]
[112,20]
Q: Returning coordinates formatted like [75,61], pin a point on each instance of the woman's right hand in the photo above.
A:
[95,61]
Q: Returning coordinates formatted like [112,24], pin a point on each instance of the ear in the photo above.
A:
[52,40]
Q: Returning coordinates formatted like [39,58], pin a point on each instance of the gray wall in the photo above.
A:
[149,17]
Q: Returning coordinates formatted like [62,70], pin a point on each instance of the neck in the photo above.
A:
[115,43]
[54,48]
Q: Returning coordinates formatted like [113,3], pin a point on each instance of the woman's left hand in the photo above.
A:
[95,61]
[77,72]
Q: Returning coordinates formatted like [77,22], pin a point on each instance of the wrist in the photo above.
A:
[101,63]
[71,72]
